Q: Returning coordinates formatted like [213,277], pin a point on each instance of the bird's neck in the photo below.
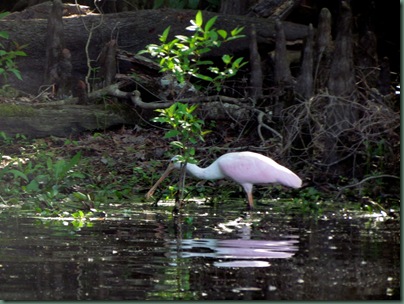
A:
[212,172]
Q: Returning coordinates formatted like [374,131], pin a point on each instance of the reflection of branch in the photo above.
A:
[364,180]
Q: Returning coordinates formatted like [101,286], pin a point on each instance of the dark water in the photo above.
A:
[205,254]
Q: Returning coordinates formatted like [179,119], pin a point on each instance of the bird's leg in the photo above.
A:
[250,201]
[248,190]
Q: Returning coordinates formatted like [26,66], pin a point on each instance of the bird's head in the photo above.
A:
[175,163]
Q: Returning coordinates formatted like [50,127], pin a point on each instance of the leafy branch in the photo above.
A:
[182,56]
[7,58]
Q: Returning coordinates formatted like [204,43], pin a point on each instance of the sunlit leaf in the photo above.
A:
[204,62]
[235,37]
[182,38]
[210,23]
[226,59]
[164,36]
[198,19]
[236,31]
[177,144]
[238,63]
[222,33]
[203,77]
[192,28]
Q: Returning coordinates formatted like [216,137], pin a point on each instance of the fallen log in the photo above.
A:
[132,32]
[61,120]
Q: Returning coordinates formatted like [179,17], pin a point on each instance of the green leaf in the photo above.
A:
[213,36]
[20,53]
[192,27]
[177,144]
[198,19]
[164,36]
[74,161]
[4,14]
[237,63]
[203,133]
[77,175]
[171,133]
[235,37]
[203,51]
[33,186]
[222,33]
[210,23]
[203,77]
[16,73]
[204,62]
[236,31]
[191,108]
[4,34]
[17,173]
[80,196]
[226,59]
[182,38]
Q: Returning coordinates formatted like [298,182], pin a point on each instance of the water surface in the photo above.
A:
[138,252]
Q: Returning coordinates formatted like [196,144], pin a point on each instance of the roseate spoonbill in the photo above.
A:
[245,168]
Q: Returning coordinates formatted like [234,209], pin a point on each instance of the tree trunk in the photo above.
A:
[340,114]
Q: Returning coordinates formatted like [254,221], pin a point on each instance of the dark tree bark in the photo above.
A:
[323,50]
[273,8]
[256,79]
[340,114]
[58,66]
[384,82]
[108,62]
[240,7]
[366,59]
[342,74]
[282,73]
[304,82]
[54,42]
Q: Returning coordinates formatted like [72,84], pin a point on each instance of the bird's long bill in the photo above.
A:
[165,174]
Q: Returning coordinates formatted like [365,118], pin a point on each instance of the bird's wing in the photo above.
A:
[253,168]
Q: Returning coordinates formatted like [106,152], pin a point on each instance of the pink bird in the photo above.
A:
[245,168]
